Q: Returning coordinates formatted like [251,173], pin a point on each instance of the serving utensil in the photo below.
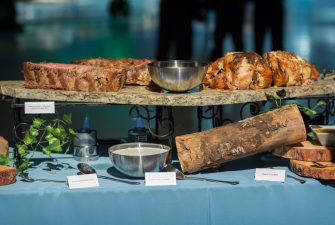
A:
[26,178]
[181,176]
[321,165]
[302,181]
[87,169]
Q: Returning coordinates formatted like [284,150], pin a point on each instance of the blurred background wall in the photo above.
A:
[63,30]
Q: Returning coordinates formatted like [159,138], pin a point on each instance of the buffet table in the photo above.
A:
[189,202]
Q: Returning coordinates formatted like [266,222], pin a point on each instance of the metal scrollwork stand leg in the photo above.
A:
[215,114]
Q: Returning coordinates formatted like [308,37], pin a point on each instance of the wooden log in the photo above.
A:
[7,175]
[307,169]
[4,148]
[306,151]
[209,149]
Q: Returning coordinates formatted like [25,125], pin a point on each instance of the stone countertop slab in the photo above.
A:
[142,95]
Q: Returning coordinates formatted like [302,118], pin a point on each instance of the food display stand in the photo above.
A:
[189,202]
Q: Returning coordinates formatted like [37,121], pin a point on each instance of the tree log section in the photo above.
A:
[208,149]
[306,169]
[306,151]
[3,146]
[7,175]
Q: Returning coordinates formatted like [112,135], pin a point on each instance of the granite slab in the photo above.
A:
[142,95]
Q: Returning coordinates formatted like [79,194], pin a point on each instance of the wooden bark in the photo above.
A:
[306,169]
[306,151]
[7,175]
[208,149]
[3,146]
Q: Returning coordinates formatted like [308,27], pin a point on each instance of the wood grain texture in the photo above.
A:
[4,148]
[306,151]
[209,149]
[306,169]
[7,175]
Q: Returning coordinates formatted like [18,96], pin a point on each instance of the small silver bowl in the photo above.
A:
[135,159]
[325,134]
[177,75]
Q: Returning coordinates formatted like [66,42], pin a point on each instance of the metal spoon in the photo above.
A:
[26,178]
[321,165]
[302,181]
[87,169]
[181,176]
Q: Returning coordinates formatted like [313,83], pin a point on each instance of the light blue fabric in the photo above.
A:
[187,203]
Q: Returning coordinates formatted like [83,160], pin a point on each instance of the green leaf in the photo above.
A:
[307,111]
[29,139]
[23,166]
[55,146]
[46,150]
[49,129]
[270,98]
[37,122]
[57,132]
[320,104]
[311,135]
[4,160]
[281,93]
[67,118]
[72,132]
[63,134]
[33,131]
[49,136]
[22,150]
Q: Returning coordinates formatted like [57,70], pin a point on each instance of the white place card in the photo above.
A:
[160,178]
[39,107]
[83,181]
[270,175]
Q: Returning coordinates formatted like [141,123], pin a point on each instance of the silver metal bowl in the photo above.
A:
[177,75]
[135,159]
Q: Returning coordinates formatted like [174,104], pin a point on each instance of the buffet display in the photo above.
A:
[234,71]
[282,129]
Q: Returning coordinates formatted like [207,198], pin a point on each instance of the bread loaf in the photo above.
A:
[72,77]
[4,148]
[7,175]
[136,70]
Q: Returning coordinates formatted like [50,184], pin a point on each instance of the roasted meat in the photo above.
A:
[290,69]
[239,71]
[135,69]
[72,77]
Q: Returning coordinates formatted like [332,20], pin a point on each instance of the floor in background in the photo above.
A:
[81,29]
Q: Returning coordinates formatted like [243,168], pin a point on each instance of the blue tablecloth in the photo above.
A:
[187,203]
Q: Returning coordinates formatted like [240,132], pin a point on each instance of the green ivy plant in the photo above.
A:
[277,101]
[48,136]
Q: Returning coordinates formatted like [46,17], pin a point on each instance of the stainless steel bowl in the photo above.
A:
[135,159]
[177,75]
